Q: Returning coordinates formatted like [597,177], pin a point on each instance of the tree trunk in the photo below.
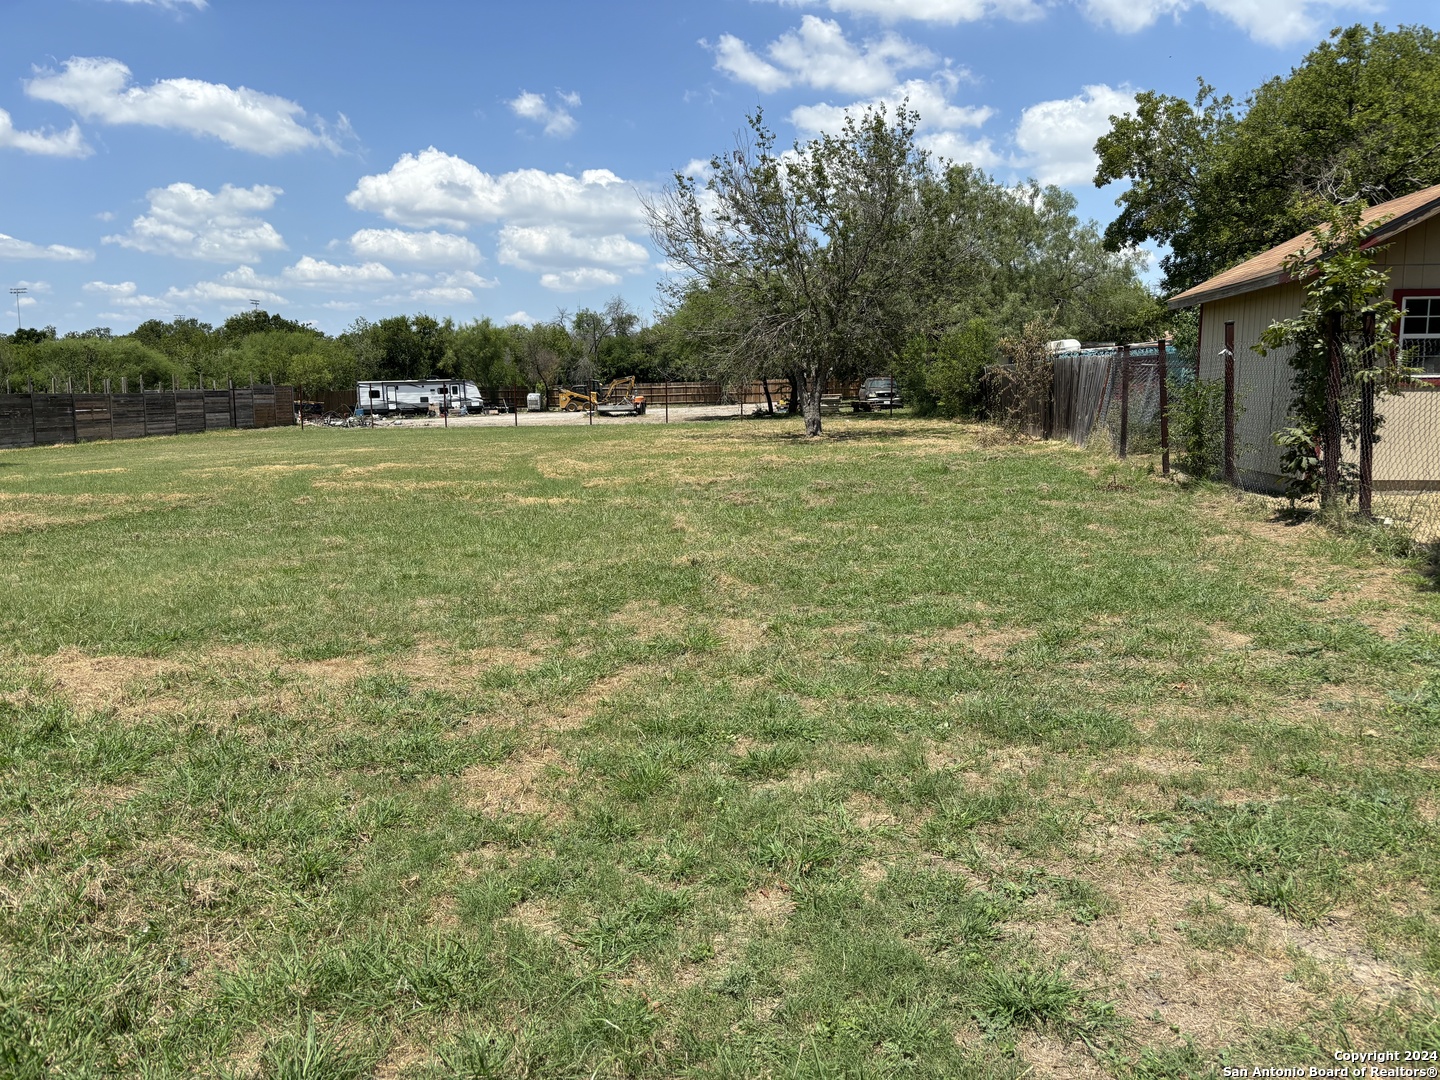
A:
[792,407]
[812,386]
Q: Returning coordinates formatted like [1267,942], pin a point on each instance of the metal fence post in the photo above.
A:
[1330,483]
[1229,446]
[1164,408]
[1124,401]
[1367,419]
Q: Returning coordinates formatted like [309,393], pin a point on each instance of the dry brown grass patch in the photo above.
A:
[518,785]
[98,682]
[992,644]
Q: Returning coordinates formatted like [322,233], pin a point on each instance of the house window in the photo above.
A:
[1420,333]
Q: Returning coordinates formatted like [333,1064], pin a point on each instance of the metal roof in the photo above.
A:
[1268,268]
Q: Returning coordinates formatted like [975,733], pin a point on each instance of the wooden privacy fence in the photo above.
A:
[1115,392]
[45,419]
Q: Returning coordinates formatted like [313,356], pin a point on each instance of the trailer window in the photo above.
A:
[424,399]
[454,389]
[374,393]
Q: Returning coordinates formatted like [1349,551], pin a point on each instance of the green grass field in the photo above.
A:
[701,750]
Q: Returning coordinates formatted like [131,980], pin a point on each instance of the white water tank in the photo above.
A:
[533,402]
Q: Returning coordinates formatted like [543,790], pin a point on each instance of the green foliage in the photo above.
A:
[1344,293]
[1218,182]
[1197,424]
[1025,997]
[812,249]
[945,376]
[1019,388]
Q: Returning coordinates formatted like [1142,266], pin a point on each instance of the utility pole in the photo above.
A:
[18,293]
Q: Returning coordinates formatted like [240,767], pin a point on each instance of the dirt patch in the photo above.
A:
[1161,978]
[742,635]
[536,916]
[1228,640]
[768,906]
[339,669]
[565,468]
[98,682]
[867,813]
[1046,1056]
[650,618]
[519,785]
[989,644]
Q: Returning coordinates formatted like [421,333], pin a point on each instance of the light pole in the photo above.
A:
[18,293]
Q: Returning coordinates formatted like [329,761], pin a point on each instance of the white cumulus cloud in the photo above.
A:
[1280,22]
[99,88]
[819,55]
[191,223]
[538,247]
[1057,138]
[588,277]
[571,229]
[67,143]
[199,5]
[322,274]
[24,250]
[123,295]
[555,118]
[214,293]
[927,97]
[418,248]
[948,12]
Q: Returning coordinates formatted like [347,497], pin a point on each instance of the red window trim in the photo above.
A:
[1399,295]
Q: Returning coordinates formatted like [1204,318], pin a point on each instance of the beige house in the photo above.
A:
[1258,291]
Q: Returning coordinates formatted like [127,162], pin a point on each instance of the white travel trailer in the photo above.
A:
[394,397]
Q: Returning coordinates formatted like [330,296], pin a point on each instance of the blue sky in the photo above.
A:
[183,157]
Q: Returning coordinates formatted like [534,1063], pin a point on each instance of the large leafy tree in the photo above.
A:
[810,247]
[1217,181]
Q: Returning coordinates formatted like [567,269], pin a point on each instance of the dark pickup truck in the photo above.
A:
[878,392]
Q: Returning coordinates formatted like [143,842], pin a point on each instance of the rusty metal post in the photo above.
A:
[1367,420]
[1164,373]
[1330,450]
[1124,401]
[1228,464]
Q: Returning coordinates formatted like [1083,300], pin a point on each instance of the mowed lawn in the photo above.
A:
[700,750]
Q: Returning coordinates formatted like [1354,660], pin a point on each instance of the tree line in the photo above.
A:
[259,346]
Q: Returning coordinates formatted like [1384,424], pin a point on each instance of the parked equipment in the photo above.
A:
[618,398]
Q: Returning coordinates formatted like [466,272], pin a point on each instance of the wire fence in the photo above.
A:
[1376,455]
[1229,415]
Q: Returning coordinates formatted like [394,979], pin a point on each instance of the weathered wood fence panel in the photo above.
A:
[127,412]
[218,410]
[46,419]
[17,423]
[160,413]
[53,418]
[92,417]
[244,408]
[189,412]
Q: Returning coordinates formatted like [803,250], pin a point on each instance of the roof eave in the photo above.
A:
[1194,298]
[1199,295]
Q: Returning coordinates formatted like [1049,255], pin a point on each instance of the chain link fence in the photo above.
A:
[1378,449]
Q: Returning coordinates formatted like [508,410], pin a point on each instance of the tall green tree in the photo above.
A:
[810,246]
[1217,182]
